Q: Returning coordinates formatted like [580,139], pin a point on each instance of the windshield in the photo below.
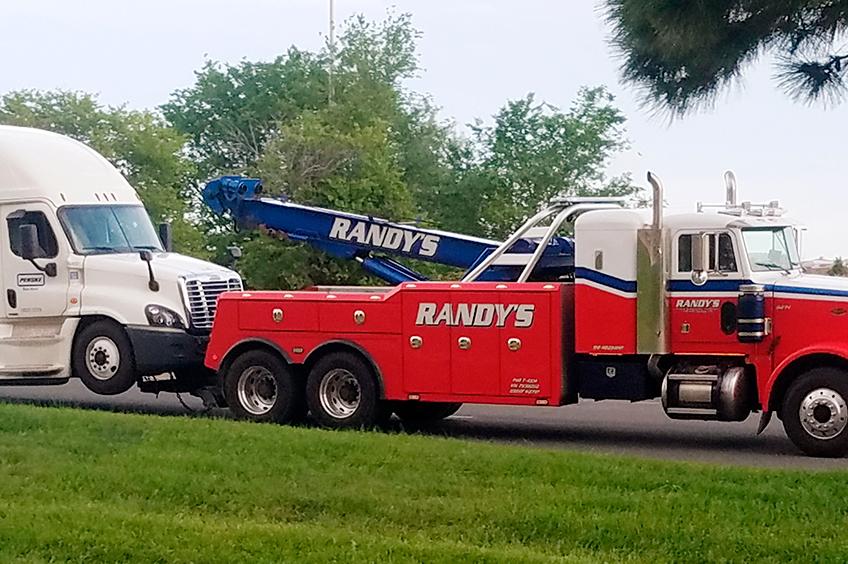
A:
[771,248]
[109,229]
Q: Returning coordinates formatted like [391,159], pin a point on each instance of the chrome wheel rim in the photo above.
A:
[257,390]
[340,393]
[823,413]
[102,358]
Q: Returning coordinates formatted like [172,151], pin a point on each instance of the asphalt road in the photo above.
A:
[639,429]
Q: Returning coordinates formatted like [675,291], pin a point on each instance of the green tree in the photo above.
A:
[683,53]
[371,65]
[139,143]
[317,162]
[838,268]
[231,111]
[369,150]
[532,153]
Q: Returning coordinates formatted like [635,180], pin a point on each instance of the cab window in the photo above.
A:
[48,248]
[725,256]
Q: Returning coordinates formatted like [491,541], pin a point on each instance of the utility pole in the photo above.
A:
[330,85]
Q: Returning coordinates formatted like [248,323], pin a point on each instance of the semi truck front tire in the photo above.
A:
[815,412]
[103,358]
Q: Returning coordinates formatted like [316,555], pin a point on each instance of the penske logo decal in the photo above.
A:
[385,237]
[708,303]
[475,315]
[30,280]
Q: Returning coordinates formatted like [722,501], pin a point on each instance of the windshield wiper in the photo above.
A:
[146,248]
[772,266]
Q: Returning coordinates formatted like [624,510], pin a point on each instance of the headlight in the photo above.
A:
[159,316]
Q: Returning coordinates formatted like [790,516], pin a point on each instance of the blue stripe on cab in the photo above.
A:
[808,291]
[605,279]
[709,286]
[733,286]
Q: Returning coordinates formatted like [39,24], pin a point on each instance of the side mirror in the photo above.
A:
[235,252]
[700,258]
[166,236]
[29,242]
[147,256]
[799,240]
[31,249]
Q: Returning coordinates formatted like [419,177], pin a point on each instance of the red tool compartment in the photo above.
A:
[476,342]
[256,312]
[484,342]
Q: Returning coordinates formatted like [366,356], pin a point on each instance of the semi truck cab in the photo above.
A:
[89,290]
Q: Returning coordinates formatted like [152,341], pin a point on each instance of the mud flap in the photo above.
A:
[765,418]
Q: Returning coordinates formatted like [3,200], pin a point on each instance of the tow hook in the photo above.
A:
[765,418]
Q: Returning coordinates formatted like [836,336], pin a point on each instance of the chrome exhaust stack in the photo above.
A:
[730,188]
[658,193]
[651,302]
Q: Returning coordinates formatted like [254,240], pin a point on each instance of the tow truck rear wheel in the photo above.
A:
[259,386]
[103,359]
[341,391]
[815,412]
[419,413]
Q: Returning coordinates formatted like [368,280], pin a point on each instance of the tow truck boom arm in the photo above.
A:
[368,240]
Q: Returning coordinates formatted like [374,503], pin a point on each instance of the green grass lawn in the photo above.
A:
[104,487]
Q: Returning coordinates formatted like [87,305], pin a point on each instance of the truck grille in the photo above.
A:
[202,299]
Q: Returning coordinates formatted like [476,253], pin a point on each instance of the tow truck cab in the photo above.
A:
[88,288]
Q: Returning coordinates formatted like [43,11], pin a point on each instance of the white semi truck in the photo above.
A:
[90,289]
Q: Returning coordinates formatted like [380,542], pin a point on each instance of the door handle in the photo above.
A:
[12,298]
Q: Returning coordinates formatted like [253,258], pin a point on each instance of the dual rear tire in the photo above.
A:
[341,391]
[259,386]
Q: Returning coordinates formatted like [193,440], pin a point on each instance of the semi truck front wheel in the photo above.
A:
[815,412]
[103,359]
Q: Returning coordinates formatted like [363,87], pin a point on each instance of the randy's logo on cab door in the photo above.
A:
[699,303]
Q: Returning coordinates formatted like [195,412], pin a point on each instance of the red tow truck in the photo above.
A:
[709,311]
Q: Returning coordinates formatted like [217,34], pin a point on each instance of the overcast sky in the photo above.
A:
[476,54]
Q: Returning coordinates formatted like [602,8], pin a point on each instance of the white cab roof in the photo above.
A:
[613,220]
[715,220]
[40,165]
[632,219]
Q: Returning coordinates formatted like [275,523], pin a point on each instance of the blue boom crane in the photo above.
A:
[370,241]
